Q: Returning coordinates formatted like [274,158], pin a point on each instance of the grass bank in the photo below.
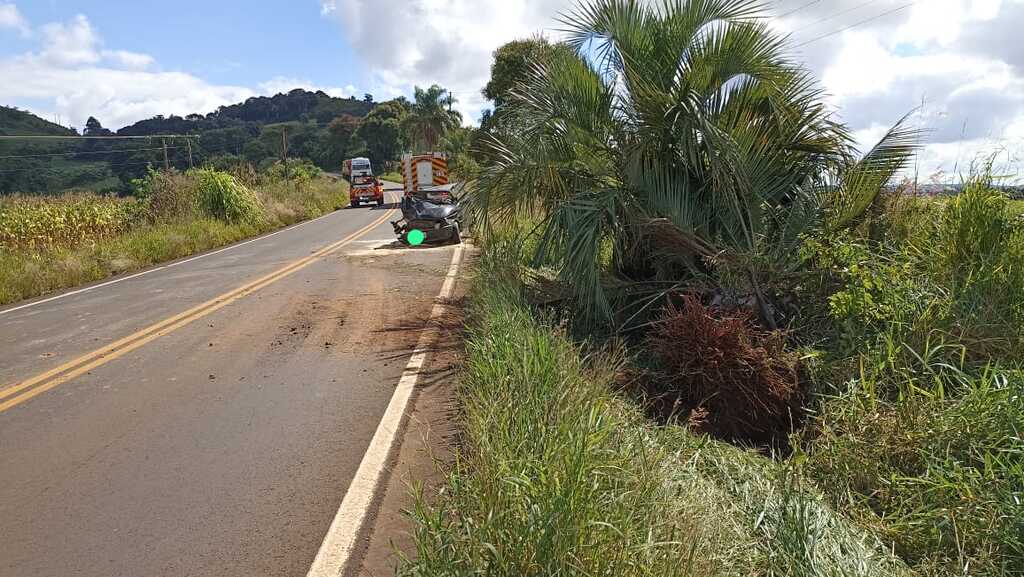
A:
[560,475]
[909,459]
[57,243]
[392,177]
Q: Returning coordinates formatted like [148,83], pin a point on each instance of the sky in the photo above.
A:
[958,63]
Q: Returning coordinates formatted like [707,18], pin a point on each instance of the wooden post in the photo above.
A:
[167,162]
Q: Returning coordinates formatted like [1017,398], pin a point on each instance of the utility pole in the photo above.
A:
[188,141]
[284,151]
[167,162]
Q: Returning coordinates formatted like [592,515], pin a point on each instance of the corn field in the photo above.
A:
[41,223]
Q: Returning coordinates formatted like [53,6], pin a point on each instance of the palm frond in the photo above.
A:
[861,184]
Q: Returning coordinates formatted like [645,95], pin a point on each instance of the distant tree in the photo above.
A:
[381,132]
[342,128]
[431,116]
[94,128]
[368,98]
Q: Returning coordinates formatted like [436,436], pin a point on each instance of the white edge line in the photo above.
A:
[162,267]
[338,545]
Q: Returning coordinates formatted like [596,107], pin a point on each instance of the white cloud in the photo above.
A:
[131,60]
[938,52]
[74,77]
[70,43]
[422,42]
[11,18]
[117,97]
[968,99]
[284,84]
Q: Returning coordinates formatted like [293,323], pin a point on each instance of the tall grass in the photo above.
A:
[919,434]
[174,215]
[559,475]
[941,478]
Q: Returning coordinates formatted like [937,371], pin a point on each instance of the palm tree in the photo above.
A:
[431,116]
[681,134]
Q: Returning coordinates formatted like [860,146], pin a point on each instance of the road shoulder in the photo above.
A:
[425,450]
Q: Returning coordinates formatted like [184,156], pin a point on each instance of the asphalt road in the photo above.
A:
[221,441]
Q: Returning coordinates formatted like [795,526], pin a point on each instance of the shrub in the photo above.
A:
[735,381]
[556,474]
[300,171]
[169,195]
[224,198]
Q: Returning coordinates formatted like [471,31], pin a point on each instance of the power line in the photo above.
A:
[208,152]
[856,24]
[47,137]
[836,15]
[799,8]
[88,152]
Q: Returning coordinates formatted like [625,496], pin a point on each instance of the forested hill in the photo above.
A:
[319,127]
[18,122]
[296,106]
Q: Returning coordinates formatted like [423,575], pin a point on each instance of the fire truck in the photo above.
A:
[426,176]
[363,185]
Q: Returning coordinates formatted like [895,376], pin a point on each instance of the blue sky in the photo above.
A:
[234,42]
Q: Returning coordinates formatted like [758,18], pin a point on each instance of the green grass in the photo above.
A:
[559,475]
[1017,207]
[940,478]
[28,273]
[392,177]
[917,433]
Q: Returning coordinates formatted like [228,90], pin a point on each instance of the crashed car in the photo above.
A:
[439,222]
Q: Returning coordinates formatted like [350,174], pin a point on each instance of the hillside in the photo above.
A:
[14,121]
[249,131]
[45,165]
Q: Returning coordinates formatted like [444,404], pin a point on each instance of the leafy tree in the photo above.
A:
[513,63]
[381,132]
[94,128]
[681,137]
[458,143]
[430,116]
[237,129]
[342,128]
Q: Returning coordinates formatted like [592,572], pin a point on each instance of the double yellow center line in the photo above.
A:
[18,393]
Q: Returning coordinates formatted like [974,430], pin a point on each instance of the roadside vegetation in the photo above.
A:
[49,243]
[561,474]
[709,337]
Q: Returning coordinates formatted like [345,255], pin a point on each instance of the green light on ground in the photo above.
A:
[415,237]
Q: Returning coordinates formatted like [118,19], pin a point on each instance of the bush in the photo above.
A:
[300,171]
[734,380]
[169,195]
[920,437]
[224,198]
[981,264]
